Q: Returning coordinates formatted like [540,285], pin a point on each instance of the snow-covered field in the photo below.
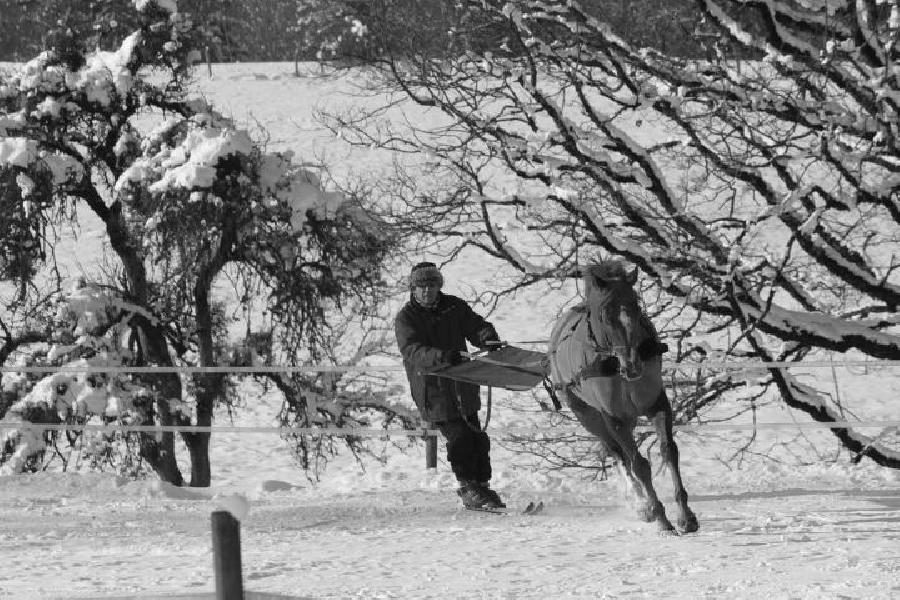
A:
[787,521]
[820,531]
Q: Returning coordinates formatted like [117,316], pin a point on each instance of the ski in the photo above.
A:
[532,508]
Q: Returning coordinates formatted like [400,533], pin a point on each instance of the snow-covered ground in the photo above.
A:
[794,518]
[768,530]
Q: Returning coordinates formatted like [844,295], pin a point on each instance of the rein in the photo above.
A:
[601,349]
[610,350]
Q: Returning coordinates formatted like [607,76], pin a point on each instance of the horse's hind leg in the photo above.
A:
[662,420]
[634,486]
[636,464]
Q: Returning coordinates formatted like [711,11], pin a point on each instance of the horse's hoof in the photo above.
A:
[668,533]
[666,529]
[688,525]
[646,514]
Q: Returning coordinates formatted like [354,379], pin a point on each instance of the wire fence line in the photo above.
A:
[427,432]
[738,365]
[176,369]
[419,432]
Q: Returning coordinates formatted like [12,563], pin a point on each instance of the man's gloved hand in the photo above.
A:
[454,357]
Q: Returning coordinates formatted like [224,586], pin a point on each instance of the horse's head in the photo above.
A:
[615,315]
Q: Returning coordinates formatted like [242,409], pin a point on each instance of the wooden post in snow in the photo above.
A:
[430,448]
[226,539]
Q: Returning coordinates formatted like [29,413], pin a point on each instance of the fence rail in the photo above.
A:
[740,365]
[424,431]
[427,432]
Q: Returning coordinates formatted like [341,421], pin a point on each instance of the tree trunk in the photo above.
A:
[198,443]
[159,451]
[209,388]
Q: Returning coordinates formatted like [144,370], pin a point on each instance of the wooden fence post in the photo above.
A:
[430,448]
[226,538]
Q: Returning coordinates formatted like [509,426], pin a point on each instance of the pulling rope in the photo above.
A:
[487,418]
[551,391]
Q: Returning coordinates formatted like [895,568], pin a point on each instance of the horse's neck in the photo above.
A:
[648,326]
[584,312]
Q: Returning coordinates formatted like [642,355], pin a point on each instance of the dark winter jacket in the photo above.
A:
[427,337]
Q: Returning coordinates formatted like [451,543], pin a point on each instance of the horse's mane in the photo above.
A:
[607,271]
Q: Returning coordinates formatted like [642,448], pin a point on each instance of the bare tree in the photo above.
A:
[186,199]
[759,197]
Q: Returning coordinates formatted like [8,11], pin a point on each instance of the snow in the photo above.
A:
[17,151]
[792,518]
[64,167]
[815,531]
[167,5]
[236,504]
[105,69]
[192,164]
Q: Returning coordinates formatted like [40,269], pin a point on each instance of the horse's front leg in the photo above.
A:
[662,420]
[635,463]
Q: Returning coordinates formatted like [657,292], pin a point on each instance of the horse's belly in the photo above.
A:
[571,351]
[608,395]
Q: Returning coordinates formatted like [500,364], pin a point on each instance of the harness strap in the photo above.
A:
[551,391]
[487,415]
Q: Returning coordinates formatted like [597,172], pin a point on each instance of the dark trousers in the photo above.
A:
[468,448]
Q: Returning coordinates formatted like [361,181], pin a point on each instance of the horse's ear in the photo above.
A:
[631,278]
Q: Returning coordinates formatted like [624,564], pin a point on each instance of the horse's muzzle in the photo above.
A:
[631,367]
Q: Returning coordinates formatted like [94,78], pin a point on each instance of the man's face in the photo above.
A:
[426,294]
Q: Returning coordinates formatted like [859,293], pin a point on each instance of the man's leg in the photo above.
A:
[462,452]
[481,450]
[468,455]
[482,444]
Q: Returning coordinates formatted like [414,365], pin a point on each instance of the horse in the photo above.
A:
[606,362]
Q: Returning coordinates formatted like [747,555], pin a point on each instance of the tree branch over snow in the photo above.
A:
[759,192]
[186,198]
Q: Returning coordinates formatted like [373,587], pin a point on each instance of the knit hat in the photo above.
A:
[425,272]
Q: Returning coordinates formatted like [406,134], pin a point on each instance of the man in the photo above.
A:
[432,329]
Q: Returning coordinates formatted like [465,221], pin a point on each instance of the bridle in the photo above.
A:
[615,350]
